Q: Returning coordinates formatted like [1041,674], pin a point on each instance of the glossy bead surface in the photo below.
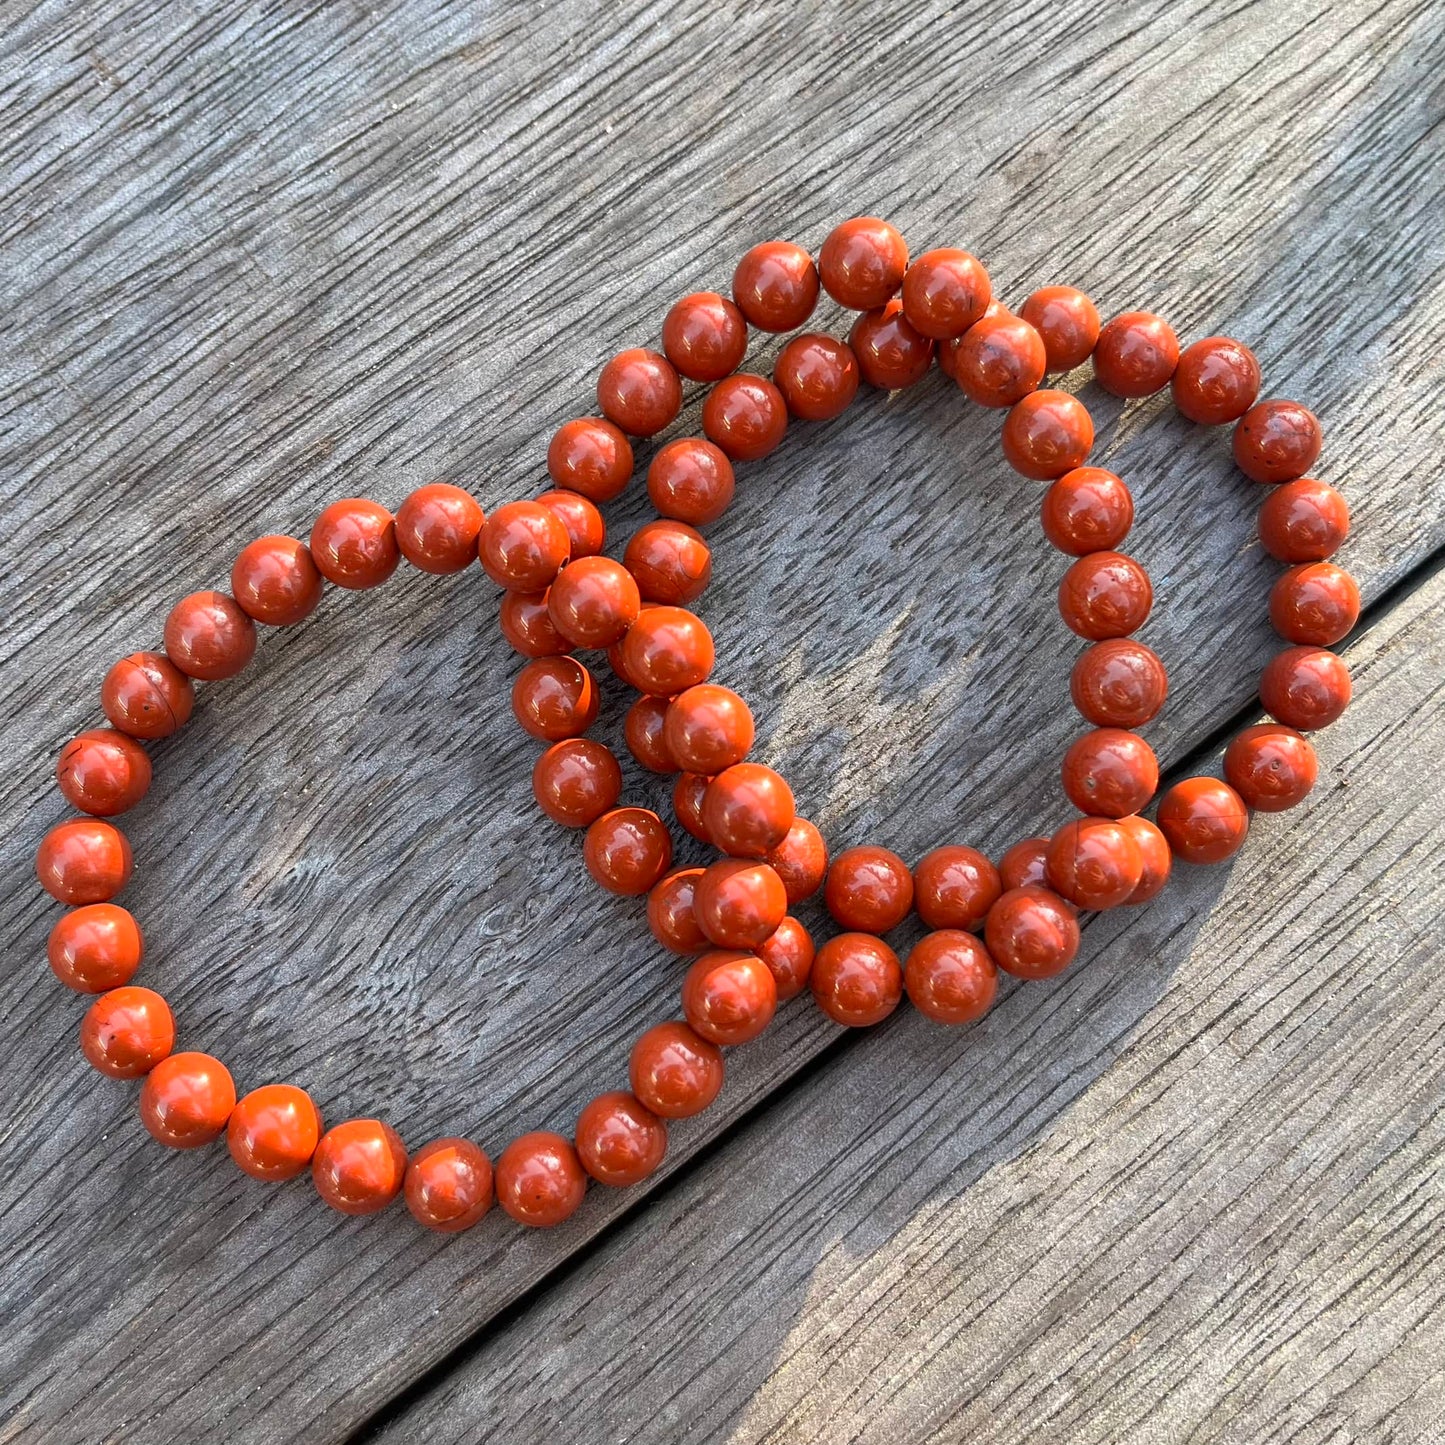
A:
[1105,594]
[747,810]
[800,860]
[729,997]
[1154,855]
[746,416]
[1303,521]
[674,1072]
[592,456]
[688,793]
[869,889]
[1087,510]
[739,902]
[776,286]
[186,1100]
[818,376]
[705,336]
[1315,602]
[646,741]
[999,361]
[667,650]
[1216,380]
[708,728]
[147,696]
[1032,933]
[944,292]
[276,580]
[1204,820]
[125,1033]
[620,1141]
[359,1166]
[273,1132]
[95,947]
[1047,434]
[1276,441]
[593,602]
[639,391]
[1271,767]
[103,772]
[354,543]
[856,979]
[555,698]
[1136,354]
[950,977]
[691,480]
[954,887]
[788,952]
[1119,683]
[1305,688]
[437,528]
[1068,323]
[1022,866]
[671,562]
[862,263]
[527,625]
[627,850]
[448,1185]
[539,1179]
[84,860]
[671,915]
[586,531]
[1110,772]
[891,353]
[1094,863]
[523,546]
[208,636]
[576,781]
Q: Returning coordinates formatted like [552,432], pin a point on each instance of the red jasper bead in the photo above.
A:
[670,912]
[818,376]
[273,1132]
[527,625]
[691,480]
[1023,865]
[950,978]
[593,602]
[437,528]
[523,546]
[729,998]
[590,456]
[95,948]
[586,531]
[891,353]
[674,1072]
[1032,933]
[1087,510]
[539,1179]
[1094,862]
[643,730]
[944,292]
[667,650]
[705,336]
[800,860]
[954,887]
[627,850]
[276,580]
[84,860]
[1303,521]
[639,391]
[359,1166]
[747,810]
[125,1033]
[739,903]
[708,728]
[448,1185]
[1068,322]
[576,781]
[999,361]
[1315,602]
[1136,354]
[856,979]
[555,698]
[619,1139]
[103,771]
[1276,441]
[208,636]
[862,263]
[1305,688]
[788,953]
[671,562]
[1110,772]
[688,793]
[776,286]
[186,1100]
[147,696]
[746,416]
[1272,768]
[869,890]
[1119,683]
[1216,380]
[1105,594]
[1154,854]
[1204,820]
[354,543]
[1047,434]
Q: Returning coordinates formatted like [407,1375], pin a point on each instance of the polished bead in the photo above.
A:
[954,887]
[591,456]
[523,546]
[1087,510]
[276,580]
[555,698]
[800,860]
[644,731]
[1136,354]
[527,625]
[593,602]
[1305,688]
[273,1132]
[1119,683]
[947,353]
[1276,441]
[950,978]
[674,1072]
[869,890]
[576,781]
[448,1185]
[639,391]
[125,1033]
[1315,602]
[95,947]
[691,480]
[1032,933]
[856,979]
[103,772]
[1110,772]
[705,336]
[1105,594]
[999,361]
[1047,434]
[1154,855]
[788,952]
[1094,862]
[891,353]
[818,376]
[147,696]
[776,286]
[729,997]
[208,636]
[1204,820]
[359,1166]
[1303,521]
[944,292]
[1216,380]
[1023,865]
[620,1141]
[671,915]
[1067,321]
[688,793]
[84,860]
[354,543]
[586,531]
[667,650]
[862,263]
[1271,767]
[671,562]
[627,850]
[746,416]
[708,728]
[739,902]
[747,810]
[437,528]
[539,1179]
[186,1100]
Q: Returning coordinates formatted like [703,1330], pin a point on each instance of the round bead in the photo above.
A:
[739,903]
[1047,434]
[691,480]
[208,636]
[95,948]
[1136,354]
[1315,602]
[1305,688]
[746,416]
[84,860]
[869,890]
[523,546]
[619,1139]
[671,915]
[273,1132]
[593,602]
[276,580]
[555,698]
[1119,683]
[944,292]
[1155,856]
[627,850]
[643,729]
[1067,321]
[688,793]
[800,860]
[1303,521]
[186,1100]
[1276,441]
[729,998]
[856,979]
[950,978]
[705,336]
[1216,380]
[1271,767]
[359,1166]
[862,263]
[1023,865]
[891,353]
[1094,862]
[1032,933]
[147,696]
[1110,772]
[667,650]
[818,376]
[437,528]
[670,561]
[1105,594]
[527,625]
[747,810]
[448,1185]
[707,729]
[590,456]
[540,1180]
[1087,510]
[586,531]
[674,1072]
[788,953]
[954,887]
[103,772]
[639,391]
[354,543]
[125,1033]
[576,781]
[776,286]
[999,360]
[1204,820]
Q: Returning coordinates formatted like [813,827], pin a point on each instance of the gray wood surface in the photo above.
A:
[254,259]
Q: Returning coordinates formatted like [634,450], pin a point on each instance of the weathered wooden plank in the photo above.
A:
[257,260]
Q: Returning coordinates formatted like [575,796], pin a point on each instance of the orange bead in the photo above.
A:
[540,1181]
[639,391]
[856,979]
[776,286]
[944,292]
[527,625]
[705,336]
[746,416]
[862,263]
[354,543]
[739,903]
[708,728]
[1216,380]
[999,360]
[95,948]
[1136,354]
[869,890]
[1047,434]
[627,850]
[276,580]
[1068,323]
[593,602]
[691,480]
[523,546]
[1105,594]
[954,887]
[437,528]
[666,651]
[590,456]
[1087,510]
[1154,855]
[788,952]
[1276,441]
[1110,772]
[800,860]
[555,698]
[671,915]
[273,1132]
[1032,933]
[818,376]
[1315,602]
[359,1166]
[186,1100]
[83,861]
[643,729]
[1303,521]
[103,772]
[1305,688]
[1204,820]
[670,561]
[620,1141]
[125,1033]
[729,998]
[576,781]
[1023,865]
[890,352]
[448,1185]
[674,1072]
[586,531]
[688,793]
[209,636]
[1119,683]
[747,810]
[1271,767]
[1094,862]
[147,696]
[950,978]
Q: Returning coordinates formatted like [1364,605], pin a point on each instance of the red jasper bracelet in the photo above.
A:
[562,594]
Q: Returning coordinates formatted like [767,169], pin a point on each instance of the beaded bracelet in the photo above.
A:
[561,594]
